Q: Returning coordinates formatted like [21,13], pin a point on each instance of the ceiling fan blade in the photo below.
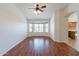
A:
[43,7]
[40,10]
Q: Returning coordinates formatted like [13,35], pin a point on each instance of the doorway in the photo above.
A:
[72,26]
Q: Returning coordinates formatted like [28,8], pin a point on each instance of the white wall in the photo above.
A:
[71,8]
[61,32]
[52,26]
[74,8]
[13,27]
[38,20]
[38,34]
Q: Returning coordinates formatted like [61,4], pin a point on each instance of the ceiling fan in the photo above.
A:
[38,9]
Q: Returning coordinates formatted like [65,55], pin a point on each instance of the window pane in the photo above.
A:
[30,27]
[36,27]
[46,27]
[40,27]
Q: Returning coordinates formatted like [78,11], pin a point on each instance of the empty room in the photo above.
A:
[39,29]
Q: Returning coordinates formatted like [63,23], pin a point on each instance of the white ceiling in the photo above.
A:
[47,14]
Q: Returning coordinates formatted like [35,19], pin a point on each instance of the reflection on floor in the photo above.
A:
[41,46]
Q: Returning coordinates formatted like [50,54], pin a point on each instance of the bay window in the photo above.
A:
[38,27]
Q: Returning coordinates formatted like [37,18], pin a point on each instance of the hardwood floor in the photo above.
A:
[41,46]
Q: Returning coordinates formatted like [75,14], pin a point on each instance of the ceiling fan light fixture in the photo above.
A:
[38,9]
[37,12]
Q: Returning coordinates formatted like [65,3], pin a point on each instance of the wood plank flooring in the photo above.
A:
[41,46]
